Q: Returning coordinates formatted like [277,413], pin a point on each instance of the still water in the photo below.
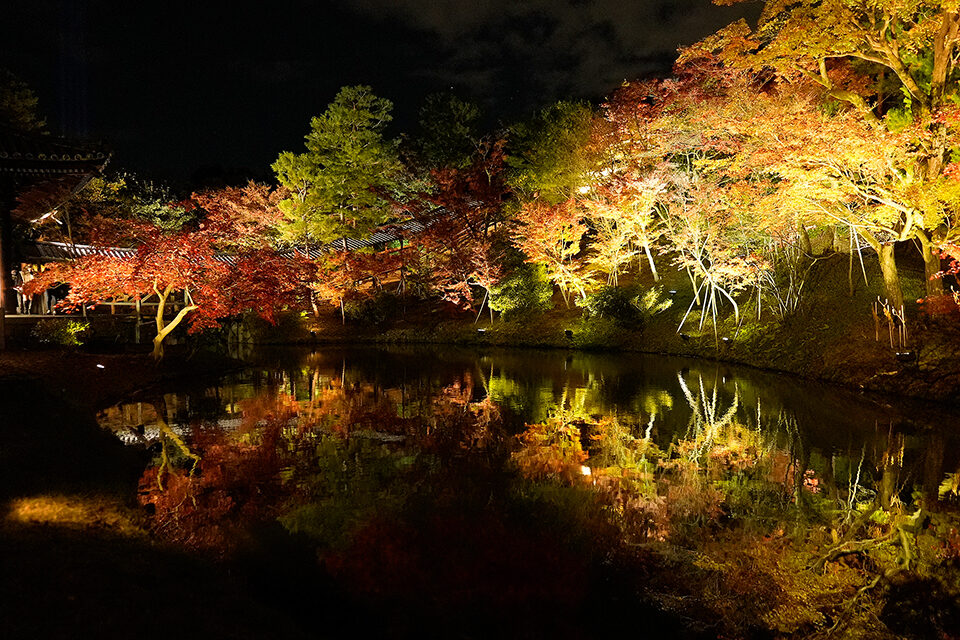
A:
[498,485]
[663,396]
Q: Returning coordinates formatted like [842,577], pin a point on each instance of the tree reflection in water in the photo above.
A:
[474,480]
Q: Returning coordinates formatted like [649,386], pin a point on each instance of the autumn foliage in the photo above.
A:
[218,267]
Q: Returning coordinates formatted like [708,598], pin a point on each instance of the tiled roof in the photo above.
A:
[39,251]
[384,235]
[61,251]
[30,154]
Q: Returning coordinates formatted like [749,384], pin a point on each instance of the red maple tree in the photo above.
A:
[221,266]
[462,217]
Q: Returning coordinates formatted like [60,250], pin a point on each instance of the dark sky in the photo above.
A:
[175,86]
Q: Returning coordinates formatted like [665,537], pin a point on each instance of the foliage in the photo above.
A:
[551,156]
[100,210]
[340,274]
[18,104]
[551,235]
[65,332]
[615,303]
[342,185]
[623,214]
[652,302]
[448,132]
[372,310]
[899,56]
[525,290]
[187,262]
[461,246]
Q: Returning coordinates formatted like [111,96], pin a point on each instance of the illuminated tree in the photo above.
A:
[552,156]
[341,185]
[251,212]
[894,61]
[551,235]
[459,247]
[623,213]
[188,263]
[340,274]
[675,176]
[809,164]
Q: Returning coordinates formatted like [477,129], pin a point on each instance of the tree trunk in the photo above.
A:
[164,330]
[653,267]
[805,243]
[837,243]
[931,265]
[933,470]
[891,278]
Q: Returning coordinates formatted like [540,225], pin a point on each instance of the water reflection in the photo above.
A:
[630,412]
[674,396]
[450,476]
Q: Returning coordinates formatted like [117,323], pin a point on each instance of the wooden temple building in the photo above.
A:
[33,162]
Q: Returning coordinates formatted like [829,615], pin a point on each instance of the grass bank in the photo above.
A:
[832,335]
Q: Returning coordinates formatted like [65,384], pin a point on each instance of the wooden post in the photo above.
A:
[136,330]
[6,264]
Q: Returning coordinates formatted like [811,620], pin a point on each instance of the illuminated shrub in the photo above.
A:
[64,332]
[525,291]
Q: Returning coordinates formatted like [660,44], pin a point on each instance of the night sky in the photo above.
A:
[176,87]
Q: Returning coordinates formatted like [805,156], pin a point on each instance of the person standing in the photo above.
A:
[17,281]
[27,276]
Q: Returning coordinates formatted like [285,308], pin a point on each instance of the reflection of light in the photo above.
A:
[585,470]
[584,189]
[71,511]
[100,366]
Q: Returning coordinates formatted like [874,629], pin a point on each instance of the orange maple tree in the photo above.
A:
[551,235]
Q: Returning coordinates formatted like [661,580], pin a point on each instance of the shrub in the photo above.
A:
[613,303]
[64,332]
[525,291]
[651,302]
[373,310]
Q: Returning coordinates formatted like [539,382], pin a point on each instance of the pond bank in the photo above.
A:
[91,381]
[840,350]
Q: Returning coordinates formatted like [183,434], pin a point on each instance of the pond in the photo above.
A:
[483,489]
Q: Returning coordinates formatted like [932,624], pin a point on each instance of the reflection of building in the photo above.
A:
[41,168]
